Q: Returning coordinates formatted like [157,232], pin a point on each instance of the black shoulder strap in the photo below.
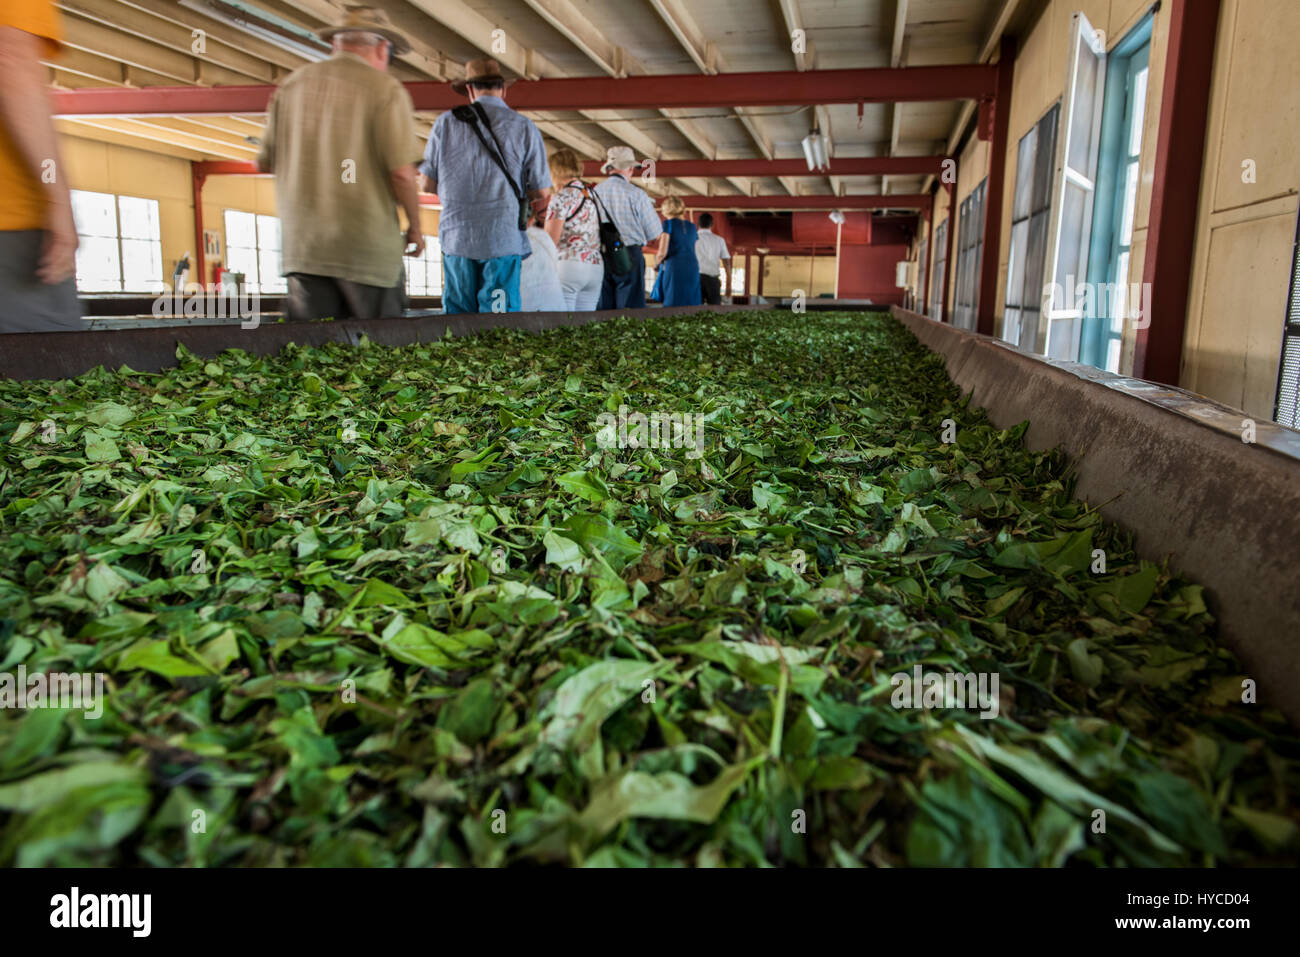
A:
[472,115]
[600,208]
[577,209]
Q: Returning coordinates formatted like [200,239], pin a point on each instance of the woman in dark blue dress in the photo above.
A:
[678,281]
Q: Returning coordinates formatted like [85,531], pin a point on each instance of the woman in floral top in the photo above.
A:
[573,223]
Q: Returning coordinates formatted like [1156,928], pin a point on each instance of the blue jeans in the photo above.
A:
[480,285]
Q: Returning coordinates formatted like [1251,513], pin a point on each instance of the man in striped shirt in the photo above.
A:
[633,212]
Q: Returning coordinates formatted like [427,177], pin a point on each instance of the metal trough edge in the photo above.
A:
[1171,467]
[64,355]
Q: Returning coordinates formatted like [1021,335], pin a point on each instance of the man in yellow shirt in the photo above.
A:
[340,138]
[38,238]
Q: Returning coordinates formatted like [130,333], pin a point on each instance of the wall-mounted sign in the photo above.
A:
[211,242]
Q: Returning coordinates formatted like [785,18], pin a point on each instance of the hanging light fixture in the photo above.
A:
[814,150]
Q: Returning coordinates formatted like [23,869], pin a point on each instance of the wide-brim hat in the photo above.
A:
[619,157]
[481,71]
[361,18]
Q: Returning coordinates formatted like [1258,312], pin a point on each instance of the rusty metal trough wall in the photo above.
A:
[1171,467]
[59,355]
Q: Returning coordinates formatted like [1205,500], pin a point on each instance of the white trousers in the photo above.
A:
[581,284]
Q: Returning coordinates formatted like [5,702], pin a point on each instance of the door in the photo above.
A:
[1076,185]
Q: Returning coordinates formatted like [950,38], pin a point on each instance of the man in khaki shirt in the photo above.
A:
[340,139]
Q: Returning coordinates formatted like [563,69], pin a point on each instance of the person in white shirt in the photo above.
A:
[711,251]
[539,278]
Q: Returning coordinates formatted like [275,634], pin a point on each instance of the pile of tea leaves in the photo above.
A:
[398,606]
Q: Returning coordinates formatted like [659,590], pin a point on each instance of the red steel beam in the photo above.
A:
[227,168]
[787,88]
[994,191]
[847,166]
[1176,187]
[889,201]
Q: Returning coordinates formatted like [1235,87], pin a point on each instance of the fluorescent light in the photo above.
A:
[262,25]
[809,151]
[814,151]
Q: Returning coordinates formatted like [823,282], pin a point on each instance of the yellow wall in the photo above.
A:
[784,274]
[1244,234]
[105,168]
[124,171]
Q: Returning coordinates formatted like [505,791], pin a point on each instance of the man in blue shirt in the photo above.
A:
[483,247]
[633,212]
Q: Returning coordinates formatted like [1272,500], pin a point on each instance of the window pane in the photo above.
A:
[1112,356]
[1011,326]
[1082,107]
[241,229]
[94,213]
[1139,113]
[1130,204]
[1060,338]
[98,266]
[1070,265]
[241,259]
[1118,305]
[432,267]
[268,232]
[1035,261]
[268,270]
[1024,175]
[1016,264]
[141,265]
[139,218]
[1045,160]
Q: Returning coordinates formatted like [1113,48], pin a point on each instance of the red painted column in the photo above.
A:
[923,277]
[993,192]
[197,177]
[948,261]
[1176,188]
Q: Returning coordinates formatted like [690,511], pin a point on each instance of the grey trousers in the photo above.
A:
[26,303]
[324,297]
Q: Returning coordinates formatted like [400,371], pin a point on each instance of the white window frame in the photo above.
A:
[151,286]
[1019,298]
[1062,311]
[255,283]
[431,260]
[939,268]
[970,248]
